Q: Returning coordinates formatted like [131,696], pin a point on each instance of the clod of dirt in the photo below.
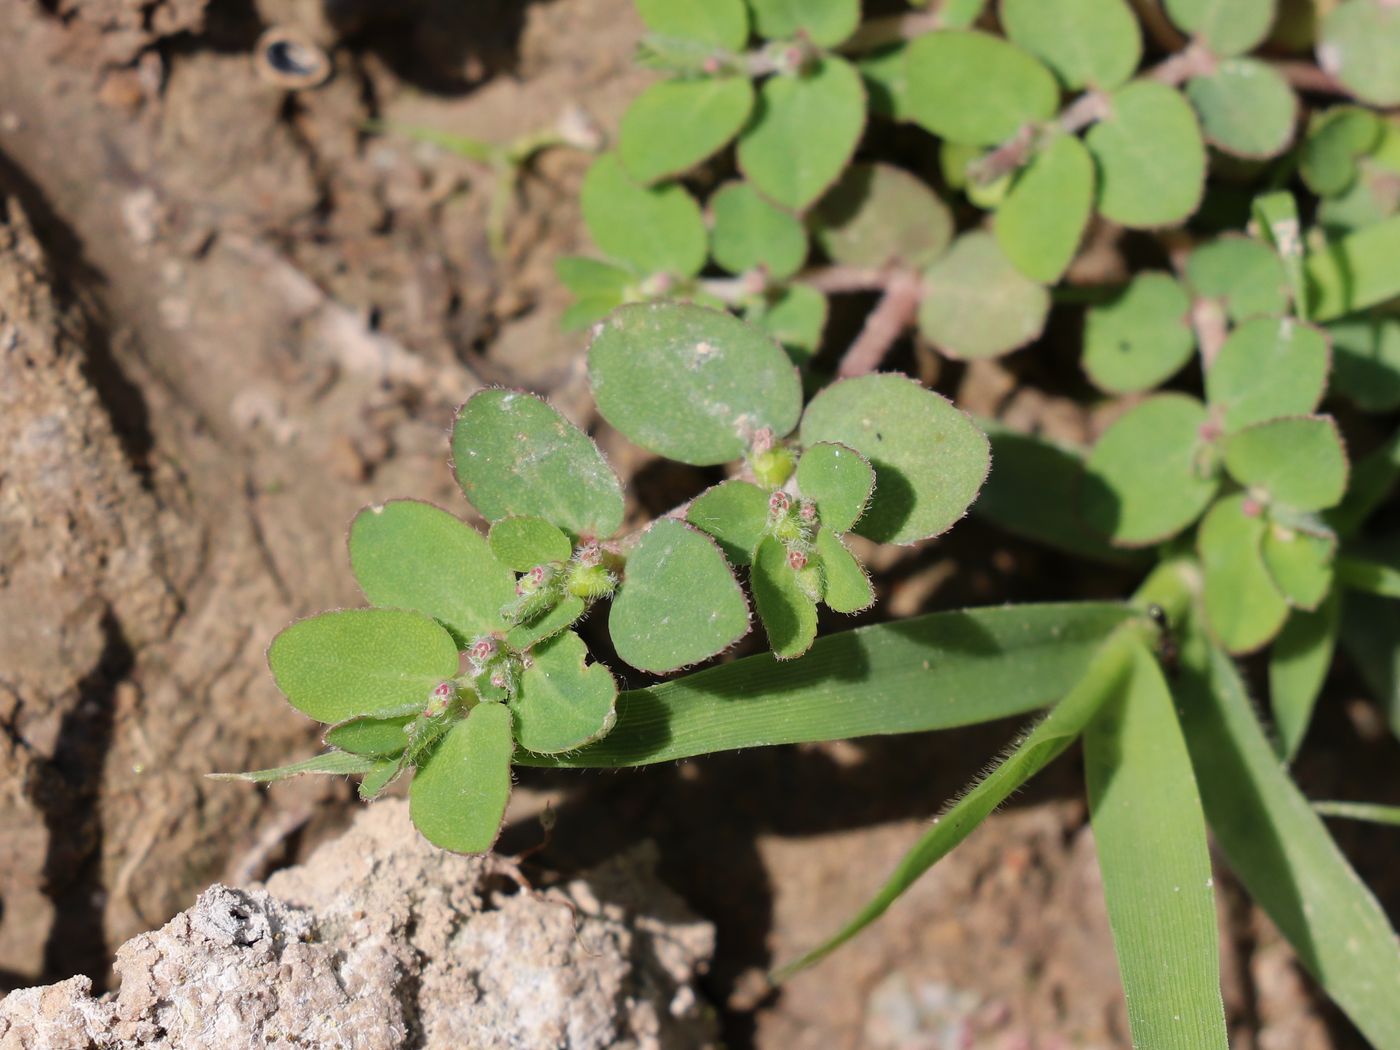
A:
[382,941]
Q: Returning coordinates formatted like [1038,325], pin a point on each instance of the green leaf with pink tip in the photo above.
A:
[839,480]
[563,701]
[1297,461]
[930,459]
[690,383]
[786,608]
[353,662]
[678,603]
[735,514]
[1243,606]
[521,543]
[516,456]
[407,554]
[459,794]
[845,586]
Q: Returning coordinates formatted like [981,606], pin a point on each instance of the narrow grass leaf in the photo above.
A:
[1373,812]
[1103,677]
[1280,850]
[332,763]
[1299,661]
[1150,834]
[928,672]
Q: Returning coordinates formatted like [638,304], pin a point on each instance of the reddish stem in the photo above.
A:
[892,315]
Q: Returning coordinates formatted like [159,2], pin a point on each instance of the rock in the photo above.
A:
[381,941]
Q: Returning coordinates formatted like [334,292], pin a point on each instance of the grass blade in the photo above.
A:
[1299,661]
[930,672]
[1151,839]
[1281,851]
[1373,577]
[1104,676]
[334,763]
[1368,811]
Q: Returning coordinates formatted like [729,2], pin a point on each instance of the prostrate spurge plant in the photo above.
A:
[1267,251]
[469,655]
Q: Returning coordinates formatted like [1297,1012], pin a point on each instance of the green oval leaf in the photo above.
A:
[679,602]
[804,130]
[378,662]
[375,737]
[839,480]
[786,608]
[1266,368]
[824,22]
[1366,361]
[1087,43]
[411,555]
[1046,210]
[1241,272]
[735,514]
[675,124]
[1243,607]
[689,383]
[930,459]
[878,215]
[1148,477]
[721,23]
[1299,563]
[795,316]
[523,543]
[1358,43]
[747,231]
[514,455]
[598,289]
[458,797]
[1297,461]
[885,73]
[562,616]
[1151,158]
[1013,88]
[1336,139]
[977,304]
[1246,108]
[845,586]
[563,701]
[1228,27]
[656,230]
[1141,337]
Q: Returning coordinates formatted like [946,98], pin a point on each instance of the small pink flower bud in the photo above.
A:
[762,440]
[808,510]
[443,691]
[482,650]
[797,560]
[711,65]
[499,679]
[779,502]
[1251,507]
[590,556]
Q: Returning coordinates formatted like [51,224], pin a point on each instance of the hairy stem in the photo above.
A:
[894,313]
